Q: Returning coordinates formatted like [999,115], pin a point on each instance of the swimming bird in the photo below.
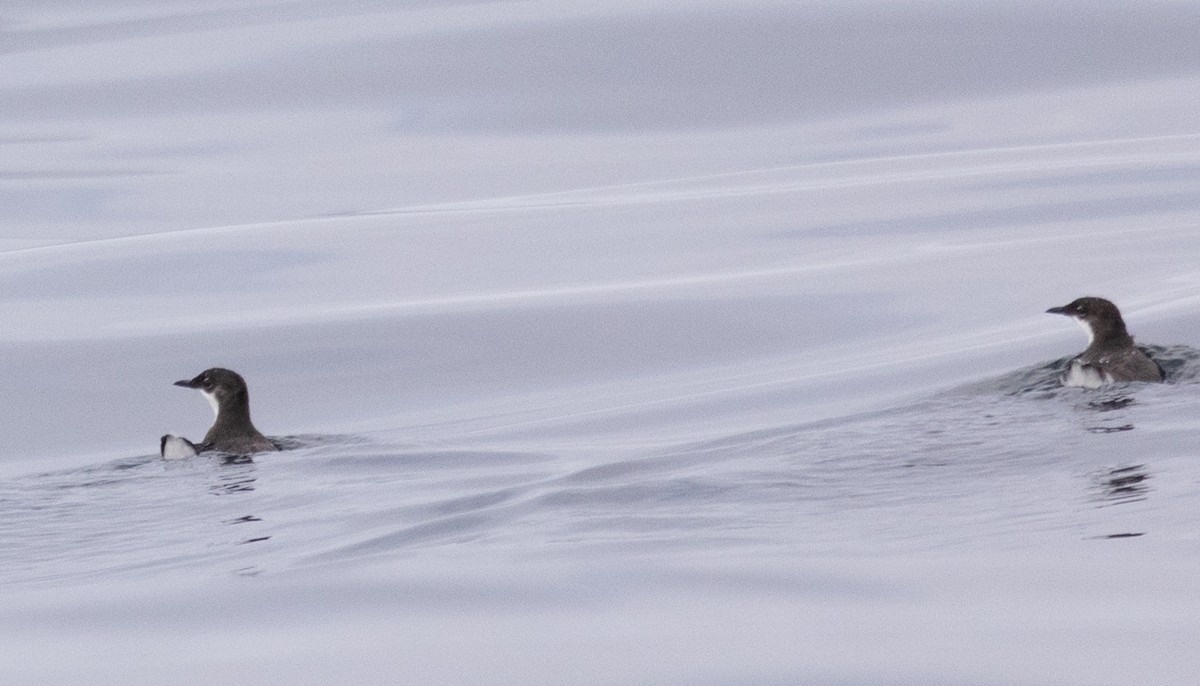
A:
[232,431]
[1111,355]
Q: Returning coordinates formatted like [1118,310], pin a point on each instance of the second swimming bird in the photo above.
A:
[1111,355]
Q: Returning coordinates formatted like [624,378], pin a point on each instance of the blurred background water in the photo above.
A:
[672,342]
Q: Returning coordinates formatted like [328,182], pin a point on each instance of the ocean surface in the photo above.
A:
[671,342]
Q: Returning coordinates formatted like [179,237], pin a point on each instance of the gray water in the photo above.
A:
[658,343]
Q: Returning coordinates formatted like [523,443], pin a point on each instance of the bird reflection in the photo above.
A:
[1121,485]
[1108,429]
[243,520]
[1119,402]
[1104,405]
[235,476]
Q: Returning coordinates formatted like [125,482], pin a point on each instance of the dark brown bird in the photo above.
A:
[232,431]
[1111,355]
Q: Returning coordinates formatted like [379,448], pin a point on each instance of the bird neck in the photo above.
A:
[1110,334]
[233,419]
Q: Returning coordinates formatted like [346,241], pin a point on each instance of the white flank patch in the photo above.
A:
[176,448]
[1084,376]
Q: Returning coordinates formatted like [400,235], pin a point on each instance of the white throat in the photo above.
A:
[212,400]
[1086,328]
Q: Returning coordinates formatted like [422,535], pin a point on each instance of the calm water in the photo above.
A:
[681,343]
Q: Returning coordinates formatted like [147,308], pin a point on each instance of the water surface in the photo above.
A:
[678,343]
